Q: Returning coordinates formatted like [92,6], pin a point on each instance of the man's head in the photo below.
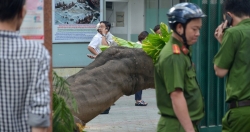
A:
[157,29]
[239,8]
[236,9]
[105,24]
[12,10]
[142,35]
[185,20]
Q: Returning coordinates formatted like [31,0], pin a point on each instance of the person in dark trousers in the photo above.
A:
[233,61]
[178,94]
[138,95]
[24,75]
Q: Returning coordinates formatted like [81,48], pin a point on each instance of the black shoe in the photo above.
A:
[106,111]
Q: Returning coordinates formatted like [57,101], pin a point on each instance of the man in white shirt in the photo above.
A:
[103,37]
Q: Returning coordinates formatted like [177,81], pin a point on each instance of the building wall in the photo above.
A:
[120,32]
[134,19]
[75,54]
[156,12]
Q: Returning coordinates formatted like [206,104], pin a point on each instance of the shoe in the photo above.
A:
[106,111]
[141,103]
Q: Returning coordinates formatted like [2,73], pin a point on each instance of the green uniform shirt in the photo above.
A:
[234,55]
[176,71]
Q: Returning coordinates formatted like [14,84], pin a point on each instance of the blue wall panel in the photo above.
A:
[163,16]
[134,37]
[151,18]
[70,55]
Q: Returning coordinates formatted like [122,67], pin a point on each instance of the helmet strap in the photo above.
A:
[183,36]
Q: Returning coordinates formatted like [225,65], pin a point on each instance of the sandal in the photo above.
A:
[141,103]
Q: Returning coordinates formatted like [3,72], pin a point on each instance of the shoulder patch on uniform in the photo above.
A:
[176,49]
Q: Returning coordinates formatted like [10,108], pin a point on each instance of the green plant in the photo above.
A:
[152,44]
[63,120]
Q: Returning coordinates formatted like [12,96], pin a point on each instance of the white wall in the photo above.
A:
[111,17]
[137,16]
[134,17]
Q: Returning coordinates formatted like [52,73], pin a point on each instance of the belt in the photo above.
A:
[236,104]
[194,122]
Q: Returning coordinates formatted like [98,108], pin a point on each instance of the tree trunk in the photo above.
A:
[115,72]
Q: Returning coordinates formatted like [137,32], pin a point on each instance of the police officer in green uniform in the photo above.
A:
[233,58]
[179,97]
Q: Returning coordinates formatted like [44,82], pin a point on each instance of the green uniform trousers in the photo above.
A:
[169,124]
[237,120]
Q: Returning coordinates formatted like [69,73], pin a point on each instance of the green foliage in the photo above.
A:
[104,47]
[122,42]
[61,87]
[125,43]
[63,120]
[154,43]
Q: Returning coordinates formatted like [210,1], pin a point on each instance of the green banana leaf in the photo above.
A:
[104,47]
[152,44]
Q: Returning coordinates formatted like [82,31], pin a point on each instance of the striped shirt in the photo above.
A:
[24,84]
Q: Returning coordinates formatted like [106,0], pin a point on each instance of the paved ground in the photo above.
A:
[124,116]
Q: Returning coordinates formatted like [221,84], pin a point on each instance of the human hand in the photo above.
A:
[39,129]
[104,31]
[91,56]
[218,34]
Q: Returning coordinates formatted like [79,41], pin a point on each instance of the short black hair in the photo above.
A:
[183,24]
[142,35]
[237,7]
[10,8]
[107,24]
[157,27]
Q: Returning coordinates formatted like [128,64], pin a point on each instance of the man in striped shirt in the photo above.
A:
[24,67]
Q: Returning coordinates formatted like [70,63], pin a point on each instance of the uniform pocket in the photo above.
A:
[191,81]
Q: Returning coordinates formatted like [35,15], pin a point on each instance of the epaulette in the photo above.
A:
[176,49]
[184,50]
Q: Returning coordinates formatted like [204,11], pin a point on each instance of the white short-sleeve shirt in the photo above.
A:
[97,40]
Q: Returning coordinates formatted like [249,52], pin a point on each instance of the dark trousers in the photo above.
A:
[138,95]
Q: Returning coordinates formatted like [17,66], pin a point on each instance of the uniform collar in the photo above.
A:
[183,48]
[244,21]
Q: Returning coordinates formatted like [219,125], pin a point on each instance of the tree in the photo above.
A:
[115,72]
[119,70]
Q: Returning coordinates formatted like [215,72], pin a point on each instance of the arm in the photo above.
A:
[94,44]
[39,118]
[39,129]
[181,110]
[104,41]
[224,59]
[220,72]
[92,50]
